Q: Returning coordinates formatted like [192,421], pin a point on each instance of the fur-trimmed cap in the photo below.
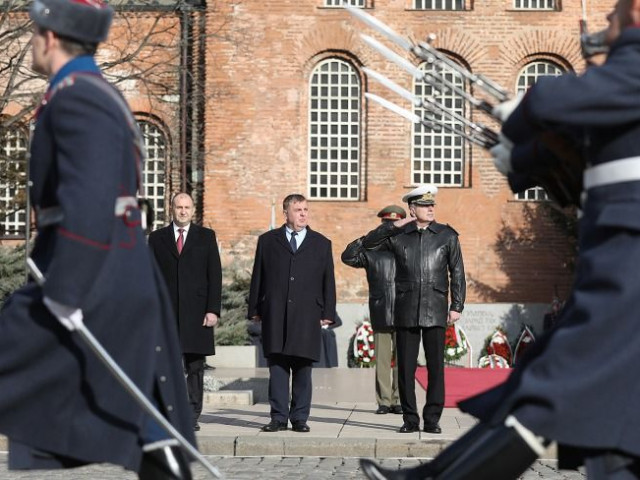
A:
[83,20]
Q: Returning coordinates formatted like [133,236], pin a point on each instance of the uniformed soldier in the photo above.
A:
[381,272]
[577,385]
[59,405]
[429,272]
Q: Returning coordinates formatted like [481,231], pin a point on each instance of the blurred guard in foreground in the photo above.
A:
[59,405]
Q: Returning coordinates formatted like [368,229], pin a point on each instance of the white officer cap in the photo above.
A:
[423,195]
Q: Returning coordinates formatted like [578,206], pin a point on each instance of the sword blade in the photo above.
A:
[391,85]
[403,112]
[392,56]
[378,26]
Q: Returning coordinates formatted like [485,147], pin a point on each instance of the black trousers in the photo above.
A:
[408,346]
[194,369]
[280,368]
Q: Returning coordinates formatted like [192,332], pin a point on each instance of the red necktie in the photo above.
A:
[180,242]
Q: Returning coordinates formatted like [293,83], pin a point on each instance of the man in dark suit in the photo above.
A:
[293,293]
[59,406]
[190,263]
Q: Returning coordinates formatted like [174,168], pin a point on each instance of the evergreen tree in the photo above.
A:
[232,329]
[12,270]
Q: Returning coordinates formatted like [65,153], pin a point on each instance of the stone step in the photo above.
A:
[234,390]
[228,398]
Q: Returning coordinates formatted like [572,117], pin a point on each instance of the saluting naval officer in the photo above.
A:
[59,405]
[429,273]
[578,384]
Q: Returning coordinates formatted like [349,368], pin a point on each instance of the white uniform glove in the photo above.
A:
[70,317]
[503,110]
[501,154]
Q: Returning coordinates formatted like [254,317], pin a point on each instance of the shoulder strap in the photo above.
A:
[138,143]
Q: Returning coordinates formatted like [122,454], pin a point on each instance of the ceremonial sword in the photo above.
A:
[563,182]
[128,384]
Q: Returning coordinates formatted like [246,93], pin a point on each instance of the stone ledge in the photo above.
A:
[229,397]
[250,446]
[330,447]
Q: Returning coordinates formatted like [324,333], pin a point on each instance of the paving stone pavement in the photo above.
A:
[268,468]
[343,425]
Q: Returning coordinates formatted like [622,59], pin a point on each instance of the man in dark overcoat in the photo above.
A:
[293,294]
[578,384]
[429,272]
[59,405]
[380,266]
[189,260]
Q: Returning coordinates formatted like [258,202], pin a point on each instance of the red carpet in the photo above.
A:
[461,383]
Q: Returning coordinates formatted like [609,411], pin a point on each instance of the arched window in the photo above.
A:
[155,170]
[13,180]
[527,77]
[438,155]
[334,131]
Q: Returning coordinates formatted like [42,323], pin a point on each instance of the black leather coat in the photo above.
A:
[428,263]
[381,271]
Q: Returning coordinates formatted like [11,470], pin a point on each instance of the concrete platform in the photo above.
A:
[343,421]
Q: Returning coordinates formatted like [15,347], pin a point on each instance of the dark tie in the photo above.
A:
[180,242]
[294,244]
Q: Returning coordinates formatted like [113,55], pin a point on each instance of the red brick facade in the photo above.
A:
[258,59]
[257,133]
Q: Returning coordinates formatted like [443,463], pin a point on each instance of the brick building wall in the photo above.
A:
[257,134]
[258,59]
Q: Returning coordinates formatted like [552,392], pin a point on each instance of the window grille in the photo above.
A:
[338,3]
[154,173]
[334,131]
[439,4]
[438,156]
[528,76]
[534,4]
[13,180]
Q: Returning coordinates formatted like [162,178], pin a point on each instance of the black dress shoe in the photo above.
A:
[432,428]
[300,426]
[196,427]
[397,409]
[409,428]
[382,410]
[164,463]
[274,426]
